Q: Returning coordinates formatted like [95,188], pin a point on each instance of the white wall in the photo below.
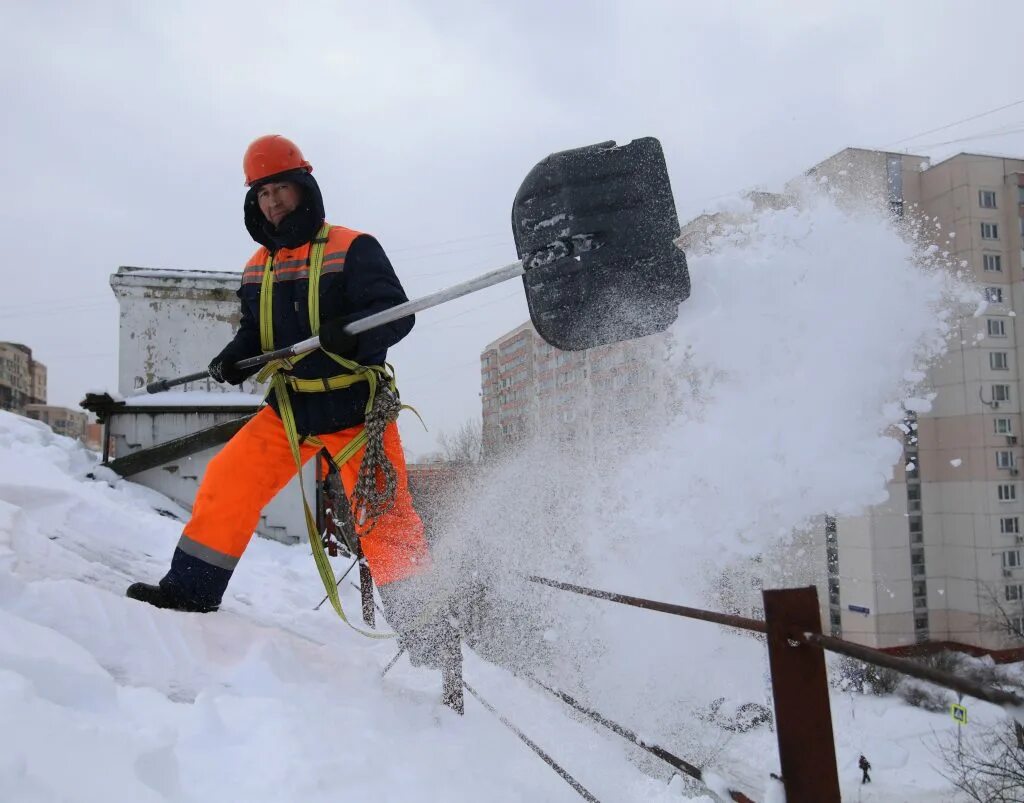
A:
[173,323]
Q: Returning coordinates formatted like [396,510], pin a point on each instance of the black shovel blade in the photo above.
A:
[595,228]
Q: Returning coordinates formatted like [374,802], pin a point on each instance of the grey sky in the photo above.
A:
[125,123]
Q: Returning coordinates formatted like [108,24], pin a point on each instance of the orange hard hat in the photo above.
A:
[270,155]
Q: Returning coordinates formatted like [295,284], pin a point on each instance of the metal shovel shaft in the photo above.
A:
[389,315]
[481,282]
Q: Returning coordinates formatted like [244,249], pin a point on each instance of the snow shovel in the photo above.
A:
[594,228]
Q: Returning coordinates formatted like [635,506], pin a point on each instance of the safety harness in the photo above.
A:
[370,499]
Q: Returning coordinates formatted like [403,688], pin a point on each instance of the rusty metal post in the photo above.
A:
[803,716]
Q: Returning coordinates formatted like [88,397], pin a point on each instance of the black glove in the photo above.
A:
[222,367]
[335,339]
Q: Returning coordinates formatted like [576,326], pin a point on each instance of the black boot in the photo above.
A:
[163,596]
[428,635]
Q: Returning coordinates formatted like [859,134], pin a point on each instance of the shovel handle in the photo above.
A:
[389,315]
[165,384]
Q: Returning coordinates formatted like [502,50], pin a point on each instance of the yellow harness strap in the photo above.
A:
[281,383]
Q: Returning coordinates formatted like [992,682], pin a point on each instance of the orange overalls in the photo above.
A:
[257,463]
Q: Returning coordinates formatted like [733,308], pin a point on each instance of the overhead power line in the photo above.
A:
[986,135]
[956,122]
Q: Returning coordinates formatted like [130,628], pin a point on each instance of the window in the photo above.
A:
[994,295]
[920,622]
[998,361]
[914,498]
[990,231]
[1004,459]
[1008,493]
[987,199]
[1000,393]
[1003,426]
[996,327]
[992,263]
[1014,593]
[1011,559]
[1009,525]
[917,558]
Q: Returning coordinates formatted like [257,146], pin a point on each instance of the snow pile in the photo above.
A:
[106,699]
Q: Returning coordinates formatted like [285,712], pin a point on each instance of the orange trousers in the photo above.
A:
[257,463]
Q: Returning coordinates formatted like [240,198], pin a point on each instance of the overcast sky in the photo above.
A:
[125,123]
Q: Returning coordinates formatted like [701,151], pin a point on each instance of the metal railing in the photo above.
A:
[796,655]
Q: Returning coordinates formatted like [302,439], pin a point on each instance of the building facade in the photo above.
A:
[23,391]
[941,561]
[530,388]
[70,423]
[171,323]
[22,379]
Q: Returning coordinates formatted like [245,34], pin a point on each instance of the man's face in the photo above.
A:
[277,199]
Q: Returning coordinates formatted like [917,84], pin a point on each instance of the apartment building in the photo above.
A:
[23,391]
[22,379]
[530,388]
[941,561]
[63,421]
[696,235]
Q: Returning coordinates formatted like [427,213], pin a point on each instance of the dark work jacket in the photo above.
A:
[357,280]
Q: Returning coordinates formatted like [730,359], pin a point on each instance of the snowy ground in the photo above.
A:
[806,332]
[107,699]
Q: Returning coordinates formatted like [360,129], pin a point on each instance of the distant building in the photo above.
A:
[942,562]
[22,379]
[23,391]
[71,423]
[695,235]
[37,383]
[94,436]
[528,388]
[435,487]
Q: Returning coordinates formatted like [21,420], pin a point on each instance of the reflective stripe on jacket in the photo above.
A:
[357,280]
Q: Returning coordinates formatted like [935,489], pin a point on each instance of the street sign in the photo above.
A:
[859,609]
[959,713]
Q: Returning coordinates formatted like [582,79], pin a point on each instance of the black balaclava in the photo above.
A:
[298,226]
